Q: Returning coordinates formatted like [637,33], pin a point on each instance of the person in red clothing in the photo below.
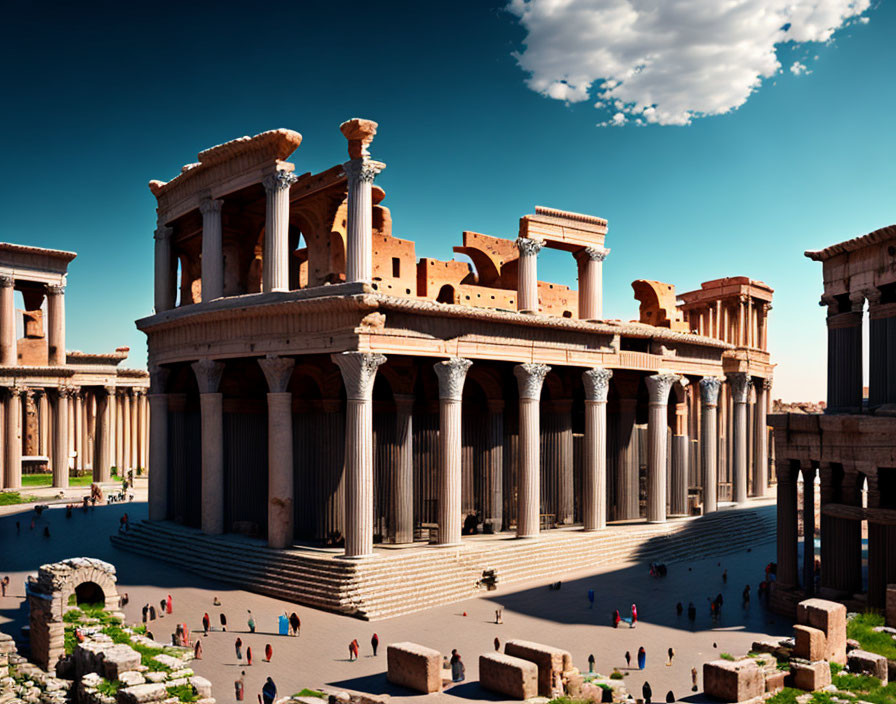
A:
[249,656]
[206,623]
[634,616]
[268,651]
[168,604]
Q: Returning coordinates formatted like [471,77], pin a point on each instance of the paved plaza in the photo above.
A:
[320,655]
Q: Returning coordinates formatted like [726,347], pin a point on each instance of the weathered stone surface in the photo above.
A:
[132,678]
[869,664]
[202,686]
[414,666]
[829,617]
[551,661]
[811,643]
[774,682]
[142,693]
[891,604]
[508,675]
[811,675]
[734,681]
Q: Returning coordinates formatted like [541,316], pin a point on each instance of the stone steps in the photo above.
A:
[394,582]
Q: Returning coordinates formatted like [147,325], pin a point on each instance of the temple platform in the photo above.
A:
[396,580]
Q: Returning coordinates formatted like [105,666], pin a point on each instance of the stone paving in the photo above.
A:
[320,655]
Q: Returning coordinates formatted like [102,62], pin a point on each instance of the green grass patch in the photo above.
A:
[310,693]
[727,656]
[184,692]
[69,640]
[570,700]
[72,616]
[787,695]
[861,628]
[835,669]
[616,675]
[46,479]
[865,687]
[109,687]
[11,498]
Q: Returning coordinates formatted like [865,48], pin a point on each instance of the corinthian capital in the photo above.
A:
[528,246]
[280,180]
[530,378]
[659,386]
[709,390]
[451,374]
[857,301]
[596,254]
[7,281]
[277,371]
[358,373]
[740,386]
[208,375]
[363,170]
[163,232]
[55,289]
[209,205]
[597,384]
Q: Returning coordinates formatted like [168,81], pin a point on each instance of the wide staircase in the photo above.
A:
[399,581]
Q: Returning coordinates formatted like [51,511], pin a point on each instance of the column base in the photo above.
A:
[658,520]
[366,556]
[458,544]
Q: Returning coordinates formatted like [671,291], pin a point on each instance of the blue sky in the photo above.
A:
[102,97]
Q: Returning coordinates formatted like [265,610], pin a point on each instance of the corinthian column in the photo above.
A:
[760,437]
[7,321]
[60,436]
[77,427]
[158,441]
[403,473]
[208,376]
[678,498]
[451,374]
[594,475]
[276,230]
[709,443]
[164,270]
[360,172]
[530,378]
[527,274]
[358,374]
[56,324]
[102,455]
[212,250]
[14,438]
[590,261]
[740,392]
[658,386]
[281,492]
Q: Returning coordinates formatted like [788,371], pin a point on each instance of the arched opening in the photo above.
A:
[89,593]
[447,294]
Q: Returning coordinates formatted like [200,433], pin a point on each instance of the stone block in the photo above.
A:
[733,681]
[551,661]
[202,686]
[891,604]
[119,659]
[131,678]
[811,643]
[869,664]
[774,681]
[414,666]
[142,693]
[508,675]
[829,617]
[810,676]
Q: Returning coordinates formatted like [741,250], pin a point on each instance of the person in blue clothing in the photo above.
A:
[590,598]
[642,658]
[269,691]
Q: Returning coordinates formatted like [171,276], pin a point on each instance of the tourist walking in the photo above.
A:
[693,679]
[295,623]
[497,644]
[458,671]
[206,621]
[248,654]
[268,652]
[197,650]
[145,612]
[499,616]
[152,612]
[374,643]
[169,604]
[634,616]
[591,663]
[646,692]
[269,691]
[642,658]
[670,698]
[4,583]
[628,659]
[251,621]
[616,618]
[671,652]
[238,646]
[353,650]
[223,620]
[239,686]
[163,607]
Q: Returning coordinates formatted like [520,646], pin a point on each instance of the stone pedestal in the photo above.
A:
[740,392]
[451,375]
[594,472]
[278,372]
[358,374]
[658,386]
[276,233]
[414,666]
[527,276]
[508,676]
[208,377]
[530,378]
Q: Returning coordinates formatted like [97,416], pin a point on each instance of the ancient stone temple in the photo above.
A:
[313,381]
[64,411]
[851,448]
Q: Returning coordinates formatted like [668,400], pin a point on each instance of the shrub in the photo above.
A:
[727,656]
[616,675]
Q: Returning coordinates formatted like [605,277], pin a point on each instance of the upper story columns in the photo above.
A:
[276,230]
[844,351]
[527,275]
[212,249]
[56,324]
[360,171]
[165,285]
[740,395]
[590,261]
[7,321]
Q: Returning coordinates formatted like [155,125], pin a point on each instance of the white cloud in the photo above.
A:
[798,68]
[670,61]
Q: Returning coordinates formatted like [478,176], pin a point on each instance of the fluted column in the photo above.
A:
[530,378]
[740,392]
[658,387]
[787,523]
[158,442]
[8,353]
[403,472]
[358,374]
[14,438]
[208,376]
[760,437]
[844,353]
[360,172]
[527,274]
[451,375]
[144,429]
[44,415]
[77,425]
[281,492]
[594,471]
[56,324]
[102,455]
[494,512]
[135,428]
[127,407]
[276,230]
[590,264]
[164,270]
[709,442]
[119,428]
[808,527]
[212,249]
[60,436]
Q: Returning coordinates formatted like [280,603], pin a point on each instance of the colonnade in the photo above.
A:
[76,428]
[742,321]
[55,294]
